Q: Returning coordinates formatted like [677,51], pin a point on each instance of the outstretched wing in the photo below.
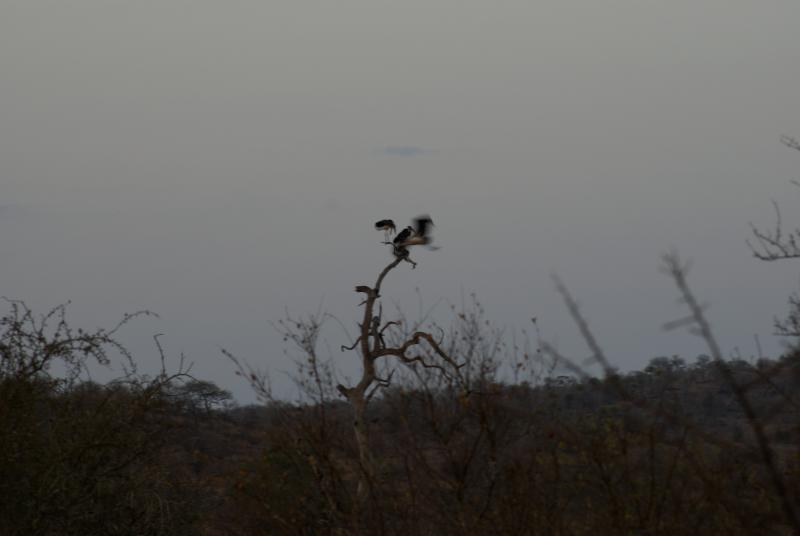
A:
[422,224]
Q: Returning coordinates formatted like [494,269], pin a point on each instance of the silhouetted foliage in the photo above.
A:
[664,450]
[77,457]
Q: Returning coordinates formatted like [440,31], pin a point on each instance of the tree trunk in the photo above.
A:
[367,475]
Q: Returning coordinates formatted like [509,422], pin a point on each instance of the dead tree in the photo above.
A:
[371,346]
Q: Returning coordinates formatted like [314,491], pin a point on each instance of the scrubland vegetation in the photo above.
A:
[454,429]
[669,449]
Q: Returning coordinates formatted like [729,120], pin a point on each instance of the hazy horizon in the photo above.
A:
[218,163]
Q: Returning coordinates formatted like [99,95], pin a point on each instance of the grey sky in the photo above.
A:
[219,161]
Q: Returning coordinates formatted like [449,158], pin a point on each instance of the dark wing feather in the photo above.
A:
[421,225]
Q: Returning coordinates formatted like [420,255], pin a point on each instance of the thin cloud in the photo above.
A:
[405,151]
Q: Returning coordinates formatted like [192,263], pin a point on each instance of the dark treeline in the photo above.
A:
[665,450]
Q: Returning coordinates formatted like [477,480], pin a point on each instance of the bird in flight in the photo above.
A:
[417,234]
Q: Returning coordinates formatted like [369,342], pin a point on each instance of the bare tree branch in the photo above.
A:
[677,270]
